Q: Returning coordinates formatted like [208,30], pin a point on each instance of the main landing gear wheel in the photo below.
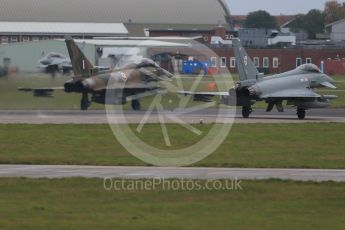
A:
[301,114]
[136,106]
[246,111]
[85,102]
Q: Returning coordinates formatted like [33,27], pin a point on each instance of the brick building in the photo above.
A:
[268,60]
[279,60]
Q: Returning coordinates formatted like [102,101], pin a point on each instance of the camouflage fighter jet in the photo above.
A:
[138,77]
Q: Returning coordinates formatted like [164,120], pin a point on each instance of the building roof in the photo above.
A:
[335,23]
[63,28]
[132,43]
[239,17]
[115,11]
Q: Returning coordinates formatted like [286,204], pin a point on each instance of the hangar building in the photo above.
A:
[137,16]
[43,20]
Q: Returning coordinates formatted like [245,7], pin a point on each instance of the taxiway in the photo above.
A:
[130,117]
[53,172]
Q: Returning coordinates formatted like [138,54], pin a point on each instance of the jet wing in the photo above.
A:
[209,94]
[291,93]
[41,92]
[66,66]
[130,86]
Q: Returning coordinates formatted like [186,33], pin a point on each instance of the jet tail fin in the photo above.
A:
[245,66]
[81,66]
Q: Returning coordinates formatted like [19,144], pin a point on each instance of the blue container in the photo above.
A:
[195,67]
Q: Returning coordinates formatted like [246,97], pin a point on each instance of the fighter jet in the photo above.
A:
[135,78]
[297,87]
[55,62]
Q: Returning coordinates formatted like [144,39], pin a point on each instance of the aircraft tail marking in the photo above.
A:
[245,66]
[81,66]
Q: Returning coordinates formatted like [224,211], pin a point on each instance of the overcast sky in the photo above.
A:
[275,7]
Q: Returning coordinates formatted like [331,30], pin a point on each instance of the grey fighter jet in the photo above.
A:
[55,62]
[297,87]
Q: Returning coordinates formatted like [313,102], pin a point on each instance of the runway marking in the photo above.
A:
[53,172]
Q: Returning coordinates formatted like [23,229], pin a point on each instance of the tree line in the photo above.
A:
[313,22]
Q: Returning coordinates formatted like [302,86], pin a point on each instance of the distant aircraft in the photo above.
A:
[55,62]
[295,86]
[134,78]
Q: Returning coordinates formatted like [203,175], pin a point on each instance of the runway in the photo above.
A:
[54,172]
[130,117]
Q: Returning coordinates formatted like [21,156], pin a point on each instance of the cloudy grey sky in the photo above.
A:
[275,6]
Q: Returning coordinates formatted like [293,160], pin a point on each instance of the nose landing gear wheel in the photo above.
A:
[301,114]
[85,102]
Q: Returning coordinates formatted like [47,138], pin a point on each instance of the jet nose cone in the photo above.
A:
[328,82]
[328,79]
[44,62]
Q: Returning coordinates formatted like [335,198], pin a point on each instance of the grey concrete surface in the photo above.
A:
[207,116]
[46,171]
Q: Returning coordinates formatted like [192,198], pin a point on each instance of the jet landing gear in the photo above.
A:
[85,102]
[301,113]
[246,111]
[136,106]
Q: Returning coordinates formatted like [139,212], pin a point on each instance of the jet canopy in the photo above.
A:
[139,62]
[311,68]
[56,55]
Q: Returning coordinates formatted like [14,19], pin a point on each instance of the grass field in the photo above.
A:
[248,145]
[85,204]
[10,98]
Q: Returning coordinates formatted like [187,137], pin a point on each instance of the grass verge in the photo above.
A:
[248,145]
[85,204]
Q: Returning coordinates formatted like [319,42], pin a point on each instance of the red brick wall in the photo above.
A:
[333,67]
[287,57]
